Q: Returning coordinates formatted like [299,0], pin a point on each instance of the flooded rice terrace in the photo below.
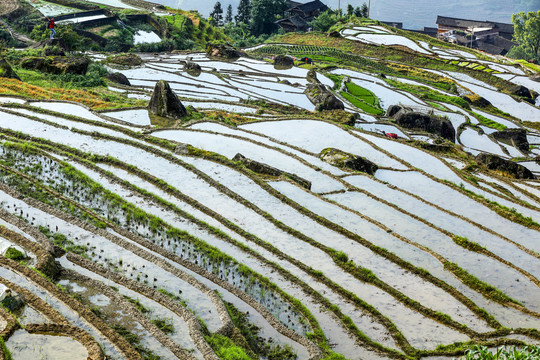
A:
[131,237]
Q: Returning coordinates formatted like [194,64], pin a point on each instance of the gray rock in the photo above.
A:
[262,168]
[118,78]
[57,64]
[192,68]
[393,110]
[508,167]
[343,159]
[423,122]
[514,137]
[311,76]
[521,91]
[165,103]
[283,60]
[322,98]
[225,51]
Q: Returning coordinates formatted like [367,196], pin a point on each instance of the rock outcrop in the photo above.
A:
[124,60]
[322,98]
[508,167]
[311,76]
[514,137]
[192,66]
[224,51]
[57,64]
[6,71]
[165,103]
[334,34]
[265,169]
[343,159]
[52,47]
[393,110]
[118,78]
[283,61]
[521,91]
[476,100]
[423,122]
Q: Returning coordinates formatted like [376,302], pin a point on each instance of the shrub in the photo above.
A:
[14,254]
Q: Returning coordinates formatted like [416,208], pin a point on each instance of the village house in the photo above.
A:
[297,16]
[489,36]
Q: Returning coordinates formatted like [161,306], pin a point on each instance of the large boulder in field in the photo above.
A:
[192,68]
[224,51]
[521,91]
[423,122]
[393,110]
[57,64]
[283,61]
[165,103]
[343,159]
[118,78]
[265,169]
[311,76]
[6,71]
[475,100]
[52,47]
[124,60]
[322,98]
[493,162]
[514,137]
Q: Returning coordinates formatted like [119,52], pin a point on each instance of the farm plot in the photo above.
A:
[157,244]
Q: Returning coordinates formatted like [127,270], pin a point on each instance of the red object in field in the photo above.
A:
[391,135]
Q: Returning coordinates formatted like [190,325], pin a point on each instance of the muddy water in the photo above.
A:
[458,203]
[451,223]
[327,322]
[25,346]
[489,270]
[67,312]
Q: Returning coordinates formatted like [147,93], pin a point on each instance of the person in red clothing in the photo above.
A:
[51,26]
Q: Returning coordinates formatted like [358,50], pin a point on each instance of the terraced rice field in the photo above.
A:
[146,240]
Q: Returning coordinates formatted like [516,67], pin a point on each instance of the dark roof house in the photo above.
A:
[298,15]
[489,36]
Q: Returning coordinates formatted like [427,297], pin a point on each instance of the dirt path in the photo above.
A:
[14,34]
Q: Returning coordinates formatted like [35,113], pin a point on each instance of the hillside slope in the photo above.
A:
[379,202]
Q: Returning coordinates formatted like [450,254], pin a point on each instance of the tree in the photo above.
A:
[324,21]
[350,10]
[228,16]
[527,33]
[365,11]
[358,12]
[243,14]
[264,14]
[216,16]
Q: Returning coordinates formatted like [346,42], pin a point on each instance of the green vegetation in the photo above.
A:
[134,341]
[467,244]
[164,325]
[226,349]
[512,353]
[362,98]
[527,34]
[135,302]
[475,283]
[14,254]
[255,345]
[488,122]
[5,350]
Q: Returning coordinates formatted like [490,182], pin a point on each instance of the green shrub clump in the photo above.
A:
[14,254]
[513,353]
